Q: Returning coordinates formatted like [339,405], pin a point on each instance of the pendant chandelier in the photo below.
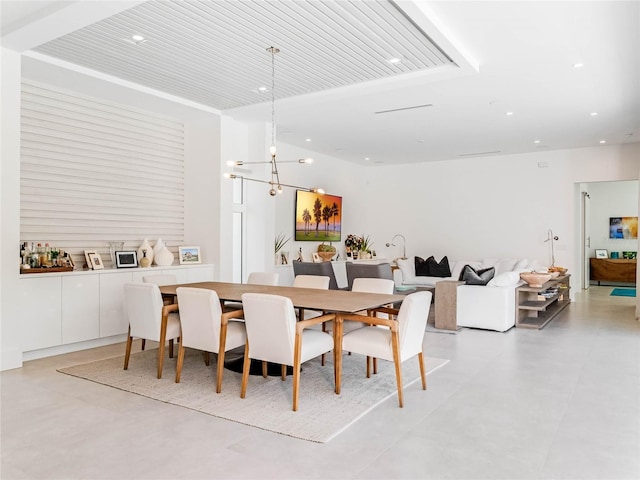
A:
[275,183]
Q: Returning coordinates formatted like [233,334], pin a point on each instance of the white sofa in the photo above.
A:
[490,307]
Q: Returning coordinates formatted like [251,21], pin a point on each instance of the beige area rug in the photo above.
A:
[321,413]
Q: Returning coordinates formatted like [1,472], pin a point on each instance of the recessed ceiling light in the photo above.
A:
[593,114]
[603,141]
[367,158]
[395,60]
[578,65]
[262,89]
[137,38]
[307,139]
[536,141]
[509,114]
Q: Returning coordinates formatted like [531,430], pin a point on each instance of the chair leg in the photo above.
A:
[127,352]
[375,365]
[396,361]
[179,363]
[264,369]
[297,352]
[220,371]
[283,372]
[171,348]
[368,366]
[207,358]
[245,371]
[143,344]
[422,375]
[324,329]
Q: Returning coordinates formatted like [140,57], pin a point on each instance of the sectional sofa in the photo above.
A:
[491,306]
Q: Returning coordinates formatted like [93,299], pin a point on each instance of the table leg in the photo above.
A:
[337,342]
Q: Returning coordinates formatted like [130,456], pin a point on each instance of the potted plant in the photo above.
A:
[280,256]
[326,252]
[365,246]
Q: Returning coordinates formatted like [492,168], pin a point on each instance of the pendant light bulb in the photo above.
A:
[272,150]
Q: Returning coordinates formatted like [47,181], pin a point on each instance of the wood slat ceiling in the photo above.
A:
[214,52]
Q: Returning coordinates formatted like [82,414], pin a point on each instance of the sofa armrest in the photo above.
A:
[491,308]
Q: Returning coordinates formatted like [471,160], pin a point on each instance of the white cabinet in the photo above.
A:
[41,312]
[80,308]
[113,320]
[203,273]
[63,308]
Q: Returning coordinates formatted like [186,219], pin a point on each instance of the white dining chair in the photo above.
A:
[159,279]
[206,328]
[145,311]
[310,281]
[274,335]
[400,340]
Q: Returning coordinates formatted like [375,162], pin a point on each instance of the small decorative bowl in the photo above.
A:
[535,279]
[561,270]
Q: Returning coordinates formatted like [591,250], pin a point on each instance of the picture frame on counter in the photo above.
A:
[602,253]
[96,261]
[189,255]
[87,257]
[126,259]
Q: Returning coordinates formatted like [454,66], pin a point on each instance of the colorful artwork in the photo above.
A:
[623,227]
[318,217]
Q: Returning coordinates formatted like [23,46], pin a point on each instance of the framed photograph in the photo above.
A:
[126,259]
[601,253]
[318,217]
[189,255]
[316,257]
[96,261]
[87,257]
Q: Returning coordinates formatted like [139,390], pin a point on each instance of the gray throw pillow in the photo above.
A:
[471,276]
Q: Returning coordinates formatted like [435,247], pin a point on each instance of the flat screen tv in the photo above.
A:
[623,227]
[318,217]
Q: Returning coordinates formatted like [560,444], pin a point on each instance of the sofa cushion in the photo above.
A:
[422,266]
[407,268]
[432,268]
[456,268]
[505,279]
[471,276]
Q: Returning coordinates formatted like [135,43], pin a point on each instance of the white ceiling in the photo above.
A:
[333,77]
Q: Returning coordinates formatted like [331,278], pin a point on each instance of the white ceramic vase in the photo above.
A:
[145,246]
[157,248]
[164,257]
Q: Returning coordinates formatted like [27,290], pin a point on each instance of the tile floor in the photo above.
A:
[560,403]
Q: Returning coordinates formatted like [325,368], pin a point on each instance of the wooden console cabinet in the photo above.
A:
[613,270]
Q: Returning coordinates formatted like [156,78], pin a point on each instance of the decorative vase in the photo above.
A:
[113,248]
[145,261]
[145,246]
[157,248]
[164,257]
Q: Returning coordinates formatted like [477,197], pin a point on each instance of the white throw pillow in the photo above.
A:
[505,265]
[407,267]
[505,279]
[521,264]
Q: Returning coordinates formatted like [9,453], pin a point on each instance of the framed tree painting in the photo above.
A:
[318,217]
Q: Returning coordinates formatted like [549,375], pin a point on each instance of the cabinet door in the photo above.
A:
[181,274]
[113,319]
[40,312]
[200,274]
[80,308]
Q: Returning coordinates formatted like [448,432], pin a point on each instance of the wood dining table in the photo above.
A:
[340,302]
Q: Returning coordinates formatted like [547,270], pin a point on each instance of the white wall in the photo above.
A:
[611,199]
[11,352]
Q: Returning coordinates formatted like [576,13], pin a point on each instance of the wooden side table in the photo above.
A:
[445,301]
